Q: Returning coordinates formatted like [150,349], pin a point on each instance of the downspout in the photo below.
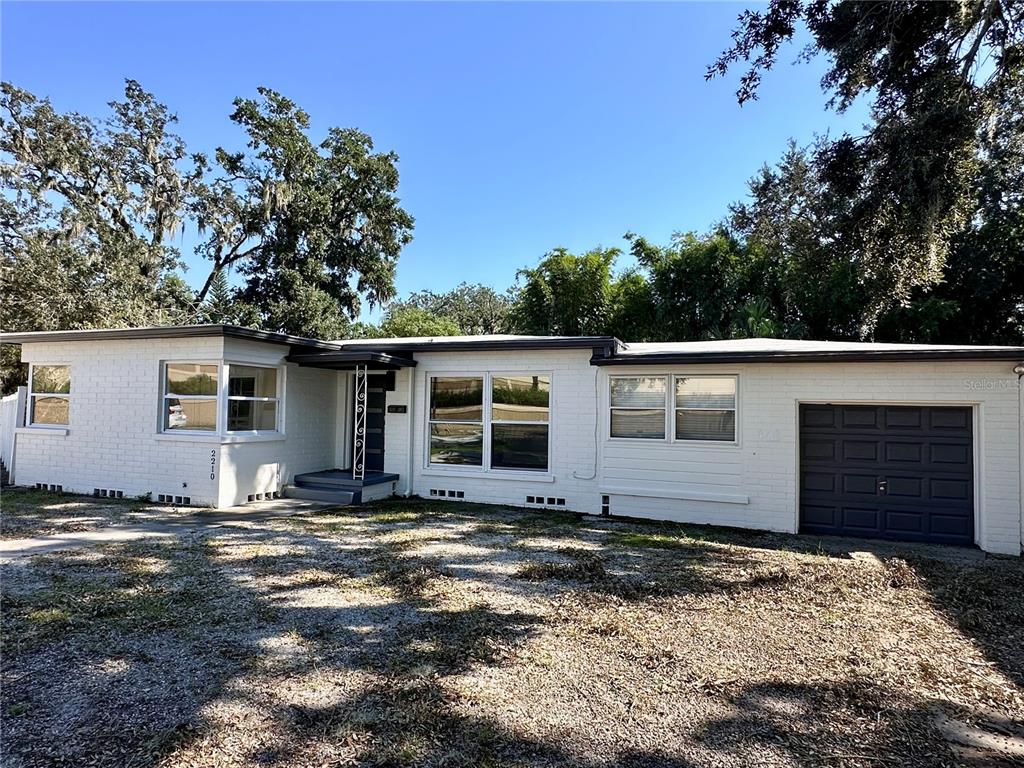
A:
[412,430]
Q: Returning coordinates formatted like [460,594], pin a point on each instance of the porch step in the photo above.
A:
[342,479]
[322,492]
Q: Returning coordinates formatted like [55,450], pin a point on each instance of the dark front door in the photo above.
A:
[376,392]
[887,472]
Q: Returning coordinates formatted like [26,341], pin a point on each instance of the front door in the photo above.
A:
[376,392]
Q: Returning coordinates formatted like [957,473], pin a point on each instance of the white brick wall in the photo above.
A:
[112,441]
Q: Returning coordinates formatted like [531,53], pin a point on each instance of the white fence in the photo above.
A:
[12,416]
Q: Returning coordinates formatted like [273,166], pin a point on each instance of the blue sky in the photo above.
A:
[520,127]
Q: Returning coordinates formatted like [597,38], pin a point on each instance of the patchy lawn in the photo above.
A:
[456,635]
[26,513]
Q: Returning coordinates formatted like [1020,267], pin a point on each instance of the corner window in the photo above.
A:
[457,420]
[520,408]
[50,395]
[190,397]
[638,407]
[705,408]
[252,399]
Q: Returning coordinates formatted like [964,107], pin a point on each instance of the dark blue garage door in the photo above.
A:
[887,472]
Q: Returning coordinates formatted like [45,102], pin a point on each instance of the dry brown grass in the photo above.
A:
[450,635]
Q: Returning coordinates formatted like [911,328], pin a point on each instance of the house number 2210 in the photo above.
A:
[213,465]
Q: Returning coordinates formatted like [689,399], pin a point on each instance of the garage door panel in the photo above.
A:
[855,417]
[860,450]
[862,484]
[905,487]
[892,472]
[818,482]
[864,520]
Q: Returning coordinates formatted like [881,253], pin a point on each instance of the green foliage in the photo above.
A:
[566,294]
[403,320]
[475,309]
[92,208]
[936,75]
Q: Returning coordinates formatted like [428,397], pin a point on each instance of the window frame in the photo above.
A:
[669,408]
[735,409]
[278,399]
[486,467]
[222,398]
[164,395]
[32,394]
[663,407]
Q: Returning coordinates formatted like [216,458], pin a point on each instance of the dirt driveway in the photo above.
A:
[455,635]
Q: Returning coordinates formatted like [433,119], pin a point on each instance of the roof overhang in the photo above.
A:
[167,332]
[843,356]
[348,360]
[598,344]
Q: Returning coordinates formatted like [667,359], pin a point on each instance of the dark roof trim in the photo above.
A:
[845,356]
[350,359]
[166,332]
[486,345]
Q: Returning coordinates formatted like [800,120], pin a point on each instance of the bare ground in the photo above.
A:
[27,513]
[458,635]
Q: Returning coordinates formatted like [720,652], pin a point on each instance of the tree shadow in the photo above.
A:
[321,645]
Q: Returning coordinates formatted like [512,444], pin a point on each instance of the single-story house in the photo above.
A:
[894,441]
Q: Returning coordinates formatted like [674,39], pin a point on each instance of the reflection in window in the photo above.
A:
[638,407]
[252,399]
[456,420]
[520,409]
[50,395]
[190,397]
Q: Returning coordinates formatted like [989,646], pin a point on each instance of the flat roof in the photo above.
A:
[800,350]
[165,332]
[607,350]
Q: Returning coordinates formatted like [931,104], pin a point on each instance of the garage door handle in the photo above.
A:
[883,487]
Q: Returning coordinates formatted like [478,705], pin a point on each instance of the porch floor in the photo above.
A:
[343,478]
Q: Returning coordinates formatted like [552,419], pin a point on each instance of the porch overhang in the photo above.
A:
[348,360]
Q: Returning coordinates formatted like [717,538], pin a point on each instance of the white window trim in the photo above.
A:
[278,429]
[735,409]
[221,433]
[30,422]
[669,406]
[485,467]
[663,407]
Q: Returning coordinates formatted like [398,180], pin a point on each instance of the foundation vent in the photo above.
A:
[107,493]
[178,501]
[606,507]
[49,487]
[545,501]
[268,496]
[441,493]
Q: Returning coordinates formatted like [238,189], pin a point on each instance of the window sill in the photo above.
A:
[187,437]
[494,474]
[267,438]
[41,430]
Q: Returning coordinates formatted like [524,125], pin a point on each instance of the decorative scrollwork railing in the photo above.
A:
[359,431]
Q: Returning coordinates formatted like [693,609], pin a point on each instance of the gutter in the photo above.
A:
[844,356]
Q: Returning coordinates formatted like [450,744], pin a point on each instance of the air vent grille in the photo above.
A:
[443,493]
[545,501]
[49,487]
[107,493]
[170,498]
[268,496]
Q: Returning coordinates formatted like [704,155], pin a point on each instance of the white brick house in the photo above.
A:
[905,442]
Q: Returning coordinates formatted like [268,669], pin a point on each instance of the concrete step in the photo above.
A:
[320,492]
[342,480]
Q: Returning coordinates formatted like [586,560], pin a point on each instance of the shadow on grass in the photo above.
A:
[122,652]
